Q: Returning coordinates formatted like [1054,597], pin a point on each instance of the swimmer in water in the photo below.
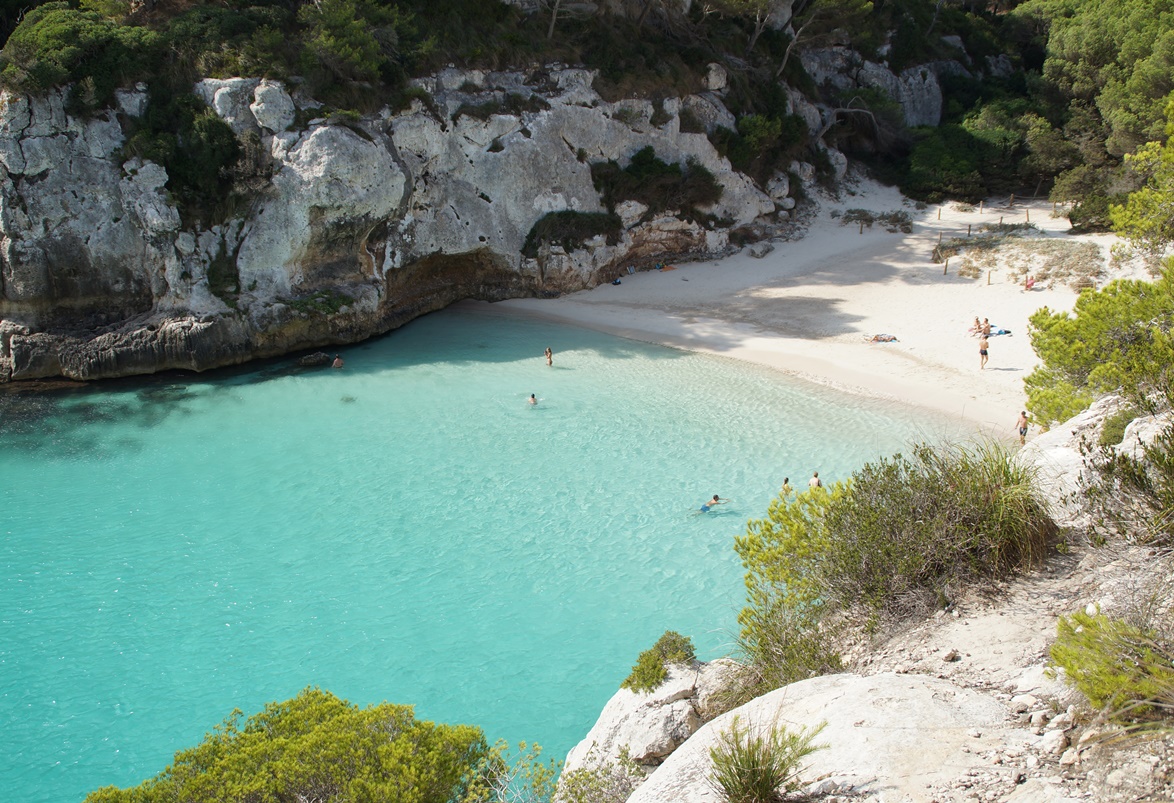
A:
[532,400]
[717,500]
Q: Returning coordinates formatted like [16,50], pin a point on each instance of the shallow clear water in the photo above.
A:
[407,529]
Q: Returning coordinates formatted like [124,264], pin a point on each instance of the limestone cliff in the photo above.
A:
[364,224]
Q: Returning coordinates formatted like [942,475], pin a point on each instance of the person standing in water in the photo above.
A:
[532,400]
[815,481]
[337,362]
[549,356]
[786,489]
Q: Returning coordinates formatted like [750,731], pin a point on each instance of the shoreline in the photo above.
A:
[808,308]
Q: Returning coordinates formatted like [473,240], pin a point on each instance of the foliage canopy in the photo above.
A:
[318,747]
[1117,340]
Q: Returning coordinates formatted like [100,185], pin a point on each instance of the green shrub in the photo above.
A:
[1119,339]
[916,527]
[648,673]
[675,648]
[1124,670]
[689,122]
[759,767]
[571,229]
[511,104]
[318,747]
[763,144]
[895,221]
[326,303]
[55,44]
[1113,430]
[658,185]
[901,535]
[600,781]
[659,116]
[650,670]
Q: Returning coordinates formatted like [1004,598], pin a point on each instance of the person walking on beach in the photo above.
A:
[1021,425]
[814,482]
[982,351]
[549,356]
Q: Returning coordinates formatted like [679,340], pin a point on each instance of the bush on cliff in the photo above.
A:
[754,766]
[1125,670]
[658,185]
[901,535]
[1119,339]
[1132,497]
[56,44]
[318,747]
[570,230]
[651,665]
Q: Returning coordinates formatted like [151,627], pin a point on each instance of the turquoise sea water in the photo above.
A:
[406,529]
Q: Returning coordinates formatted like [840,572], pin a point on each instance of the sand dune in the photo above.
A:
[809,307]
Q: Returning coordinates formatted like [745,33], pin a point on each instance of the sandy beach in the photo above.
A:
[810,306]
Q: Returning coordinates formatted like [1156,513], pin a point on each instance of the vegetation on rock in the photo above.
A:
[1118,339]
[651,665]
[1051,97]
[656,184]
[1126,671]
[318,747]
[753,766]
[570,230]
[903,535]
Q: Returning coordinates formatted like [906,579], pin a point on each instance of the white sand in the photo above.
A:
[808,308]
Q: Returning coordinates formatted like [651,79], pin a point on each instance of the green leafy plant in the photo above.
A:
[1119,339]
[656,184]
[1113,430]
[510,104]
[651,670]
[571,229]
[56,44]
[903,534]
[752,765]
[318,747]
[1124,670]
[600,781]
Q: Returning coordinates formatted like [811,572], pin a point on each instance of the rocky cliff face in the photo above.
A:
[364,224]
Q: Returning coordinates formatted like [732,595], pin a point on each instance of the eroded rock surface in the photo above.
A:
[363,225]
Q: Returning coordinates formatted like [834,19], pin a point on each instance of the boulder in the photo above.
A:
[272,107]
[1057,458]
[716,78]
[649,725]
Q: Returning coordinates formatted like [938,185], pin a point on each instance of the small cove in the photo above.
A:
[406,529]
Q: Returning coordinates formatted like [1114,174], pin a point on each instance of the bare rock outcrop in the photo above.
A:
[648,726]
[889,734]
